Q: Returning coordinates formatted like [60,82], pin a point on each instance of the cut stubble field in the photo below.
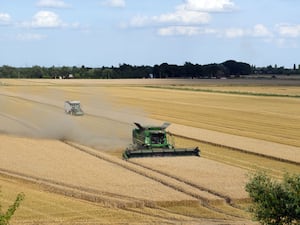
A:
[44,150]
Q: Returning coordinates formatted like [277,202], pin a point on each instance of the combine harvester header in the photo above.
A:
[153,141]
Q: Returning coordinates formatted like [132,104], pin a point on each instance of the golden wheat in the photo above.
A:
[29,107]
[267,118]
[221,179]
[56,161]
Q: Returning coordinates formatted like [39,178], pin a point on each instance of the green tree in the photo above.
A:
[6,216]
[8,72]
[275,203]
[36,72]
[107,73]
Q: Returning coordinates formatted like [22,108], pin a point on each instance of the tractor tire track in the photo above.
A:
[22,122]
[79,192]
[226,198]
[95,196]
[170,181]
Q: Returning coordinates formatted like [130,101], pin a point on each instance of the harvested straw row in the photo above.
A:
[219,178]
[195,192]
[78,192]
[57,162]
[174,177]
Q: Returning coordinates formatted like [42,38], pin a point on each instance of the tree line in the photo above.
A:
[229,68]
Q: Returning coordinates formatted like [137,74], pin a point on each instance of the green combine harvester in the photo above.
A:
[149,141]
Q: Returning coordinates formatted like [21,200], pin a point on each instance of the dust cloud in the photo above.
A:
[104,126]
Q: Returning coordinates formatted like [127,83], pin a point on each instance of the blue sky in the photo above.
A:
[147,32]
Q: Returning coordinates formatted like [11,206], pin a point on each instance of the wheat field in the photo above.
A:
[224,180]
[272,119]
[58,162]
[76,161]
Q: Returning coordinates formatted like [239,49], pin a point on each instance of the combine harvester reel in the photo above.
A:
[149,141]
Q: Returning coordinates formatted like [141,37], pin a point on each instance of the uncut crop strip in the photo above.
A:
[249,162]
[283,153]
[239,150]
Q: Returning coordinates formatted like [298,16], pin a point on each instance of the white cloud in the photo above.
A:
[192,18]
[209,5]
[260,30]
[286,43]
[178,30]
[52,4]
[48,19]
[45,19]
[114,3]
[184,30]
[234,32]
[30,37]
[190,13]
[4,18]
[287,30]
[182,16]
[139,21]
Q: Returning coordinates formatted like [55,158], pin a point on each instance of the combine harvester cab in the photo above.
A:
[149,141]
[73,108]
